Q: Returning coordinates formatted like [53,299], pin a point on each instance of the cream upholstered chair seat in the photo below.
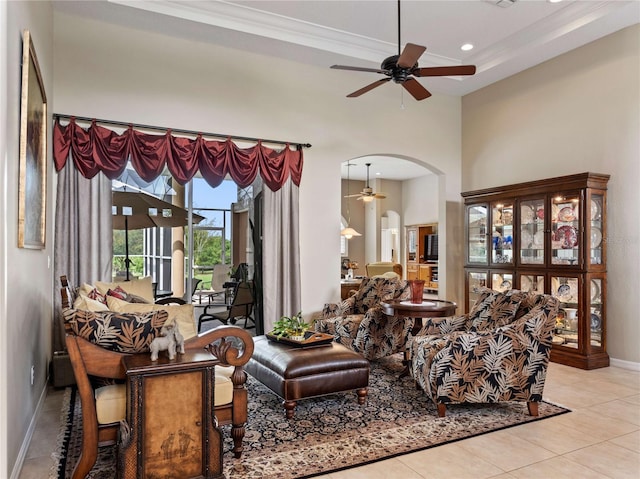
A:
[111,400]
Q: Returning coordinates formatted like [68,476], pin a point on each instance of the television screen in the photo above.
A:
[431,247]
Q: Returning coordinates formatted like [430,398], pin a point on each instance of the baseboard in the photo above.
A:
[22,454]
[619,363]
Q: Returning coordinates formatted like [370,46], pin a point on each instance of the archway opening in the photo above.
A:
[413,194]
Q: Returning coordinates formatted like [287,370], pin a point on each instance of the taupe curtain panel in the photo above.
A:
[83,239]
[281,254]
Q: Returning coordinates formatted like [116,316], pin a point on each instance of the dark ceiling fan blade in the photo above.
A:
[410,55]
[445,71]
[368,87]
[359,69]
[417,91]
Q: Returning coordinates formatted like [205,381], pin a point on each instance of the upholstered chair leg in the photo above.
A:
[533,408]
[442,410]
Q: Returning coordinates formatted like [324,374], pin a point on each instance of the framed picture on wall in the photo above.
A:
[32,188]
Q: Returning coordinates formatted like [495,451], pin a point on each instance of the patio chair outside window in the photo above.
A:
[214,292]
[240,307]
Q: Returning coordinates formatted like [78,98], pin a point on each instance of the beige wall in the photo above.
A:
[578,112]
[26,279]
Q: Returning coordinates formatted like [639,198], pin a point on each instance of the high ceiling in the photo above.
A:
[508,35]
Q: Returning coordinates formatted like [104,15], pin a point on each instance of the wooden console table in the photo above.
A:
[171,430]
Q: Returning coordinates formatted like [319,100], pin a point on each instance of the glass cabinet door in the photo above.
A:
[501,281]
[532,283]
[532,244]
[596,311]
[565,229]
[502,233]
[596,216]
[477,223]
[475,280]
[567,290]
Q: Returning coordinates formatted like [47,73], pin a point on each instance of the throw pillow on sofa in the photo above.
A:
[88,304]
[181,314]
[142,287]
[120,332]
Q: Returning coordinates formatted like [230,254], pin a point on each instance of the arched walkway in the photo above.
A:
[415,192]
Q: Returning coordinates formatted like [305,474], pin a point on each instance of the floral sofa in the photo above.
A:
[359,323]
[498,352]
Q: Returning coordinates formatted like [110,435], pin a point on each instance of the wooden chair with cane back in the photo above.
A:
[232,347]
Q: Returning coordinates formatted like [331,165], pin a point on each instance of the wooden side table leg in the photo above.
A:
[290,408]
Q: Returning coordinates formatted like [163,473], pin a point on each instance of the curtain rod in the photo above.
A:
[177,130]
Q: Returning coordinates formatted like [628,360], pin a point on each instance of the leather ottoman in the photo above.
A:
[297,373]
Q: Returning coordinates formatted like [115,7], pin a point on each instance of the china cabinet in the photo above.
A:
[422,254]
[547,236]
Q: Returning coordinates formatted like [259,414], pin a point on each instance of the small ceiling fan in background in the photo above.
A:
[401,68]
[367,193]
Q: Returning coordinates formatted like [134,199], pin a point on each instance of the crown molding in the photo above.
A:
[567,21]
[233,16]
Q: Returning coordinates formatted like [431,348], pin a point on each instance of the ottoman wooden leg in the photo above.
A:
[362,395]
[290,407]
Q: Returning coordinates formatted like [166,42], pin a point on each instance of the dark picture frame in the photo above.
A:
[32,188]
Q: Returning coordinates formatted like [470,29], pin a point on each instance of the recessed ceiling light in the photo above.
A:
[555,1]
[378,173]
[466,47]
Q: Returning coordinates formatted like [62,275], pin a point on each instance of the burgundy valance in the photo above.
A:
[98,149]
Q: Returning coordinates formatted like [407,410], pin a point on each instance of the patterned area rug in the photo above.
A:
[327,433]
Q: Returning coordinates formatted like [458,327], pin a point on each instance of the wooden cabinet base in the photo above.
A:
[590,361]
[171,430]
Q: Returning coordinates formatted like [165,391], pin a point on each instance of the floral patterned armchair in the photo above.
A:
[498,352]
[359,323]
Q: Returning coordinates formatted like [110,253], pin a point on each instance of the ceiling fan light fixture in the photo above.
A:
[368,199]
[349,232]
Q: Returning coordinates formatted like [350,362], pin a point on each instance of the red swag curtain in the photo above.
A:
[100,149]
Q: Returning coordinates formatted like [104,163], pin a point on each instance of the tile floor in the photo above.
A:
[599,439]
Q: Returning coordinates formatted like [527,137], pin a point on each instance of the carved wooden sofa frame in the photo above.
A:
[231,345]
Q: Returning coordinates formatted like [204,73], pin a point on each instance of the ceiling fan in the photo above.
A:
[367,193]
[401,68]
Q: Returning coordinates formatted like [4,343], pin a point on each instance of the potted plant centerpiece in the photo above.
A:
[292,327]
